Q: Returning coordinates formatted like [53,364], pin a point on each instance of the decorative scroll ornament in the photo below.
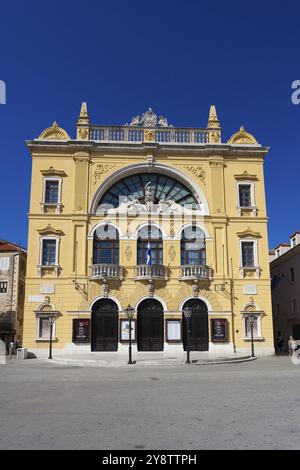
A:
[172,253]
[242,137]
[54,133]
[149,119]
[215,137]
[149,136]
[82,133]
[128,253]
[100,170]
[198,172]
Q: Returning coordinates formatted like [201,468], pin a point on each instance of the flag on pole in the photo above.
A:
[148,255]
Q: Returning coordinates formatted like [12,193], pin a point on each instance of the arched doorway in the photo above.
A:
[198,340]
[150,326]
[105,316]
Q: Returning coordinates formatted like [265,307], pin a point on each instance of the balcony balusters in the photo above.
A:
[195,272]
[148,272]
[106,271]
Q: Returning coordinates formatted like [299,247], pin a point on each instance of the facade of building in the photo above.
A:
[12,290]
[155,216]
[285,275]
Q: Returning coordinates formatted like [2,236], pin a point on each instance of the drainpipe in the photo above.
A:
[12,289]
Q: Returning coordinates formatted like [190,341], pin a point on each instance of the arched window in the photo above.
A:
[162,188]
[106,245]
[150,237]
[193,251]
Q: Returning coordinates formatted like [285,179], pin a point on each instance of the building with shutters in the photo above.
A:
[12,290]
[285,275]
[155,216]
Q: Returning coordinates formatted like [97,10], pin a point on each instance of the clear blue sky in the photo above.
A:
[177,57]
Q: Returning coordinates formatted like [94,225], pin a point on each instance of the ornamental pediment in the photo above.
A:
[149,119]
[54,133]
[53,172]
[249,233]
[50,231]
[246,176]
[242,137]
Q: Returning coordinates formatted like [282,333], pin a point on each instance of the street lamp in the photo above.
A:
[51,320]
[129,312]
[252,318]
[187,312]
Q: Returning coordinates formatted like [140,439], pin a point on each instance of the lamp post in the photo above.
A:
[252,318]
[129,312]
[51,319]
[187,312]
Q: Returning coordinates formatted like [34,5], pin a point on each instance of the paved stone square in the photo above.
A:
[251,405]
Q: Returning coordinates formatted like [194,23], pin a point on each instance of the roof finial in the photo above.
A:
[83,116]
[213,121]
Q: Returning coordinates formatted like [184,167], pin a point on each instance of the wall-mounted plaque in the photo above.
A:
[173,331]
[81,331]
[219,330]
[124,331]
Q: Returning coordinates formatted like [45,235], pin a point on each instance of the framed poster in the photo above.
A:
[174,331]
[219,330]
[124,331]
[81,331]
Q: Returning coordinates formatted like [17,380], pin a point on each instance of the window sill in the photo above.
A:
[48,270]
[246,211]
[51,208]
[42,340]
[259,338]
[250,272]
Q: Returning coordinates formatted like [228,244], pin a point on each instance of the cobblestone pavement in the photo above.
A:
[251,405]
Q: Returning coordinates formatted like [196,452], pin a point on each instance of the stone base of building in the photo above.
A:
[216,350]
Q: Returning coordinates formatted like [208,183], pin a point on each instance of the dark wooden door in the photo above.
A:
[198,339]
[150,326]
[105,326]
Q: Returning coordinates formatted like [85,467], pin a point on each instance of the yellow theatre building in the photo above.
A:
[162,218]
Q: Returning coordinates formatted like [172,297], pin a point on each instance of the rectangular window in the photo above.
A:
[3,287]
[248,254]
[4,264]
[294,306]
[245,195]
[49,253]
[292,273]
[52,192]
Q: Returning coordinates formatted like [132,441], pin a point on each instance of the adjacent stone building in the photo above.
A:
[12,290]
[285,274]
[160,217]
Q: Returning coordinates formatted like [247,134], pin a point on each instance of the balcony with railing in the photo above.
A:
[106,271]
[195,272]
[136,135]
[143,271]
[149,128]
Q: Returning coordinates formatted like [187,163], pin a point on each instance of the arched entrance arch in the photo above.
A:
[198,339]
[150,325]
[105,319]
